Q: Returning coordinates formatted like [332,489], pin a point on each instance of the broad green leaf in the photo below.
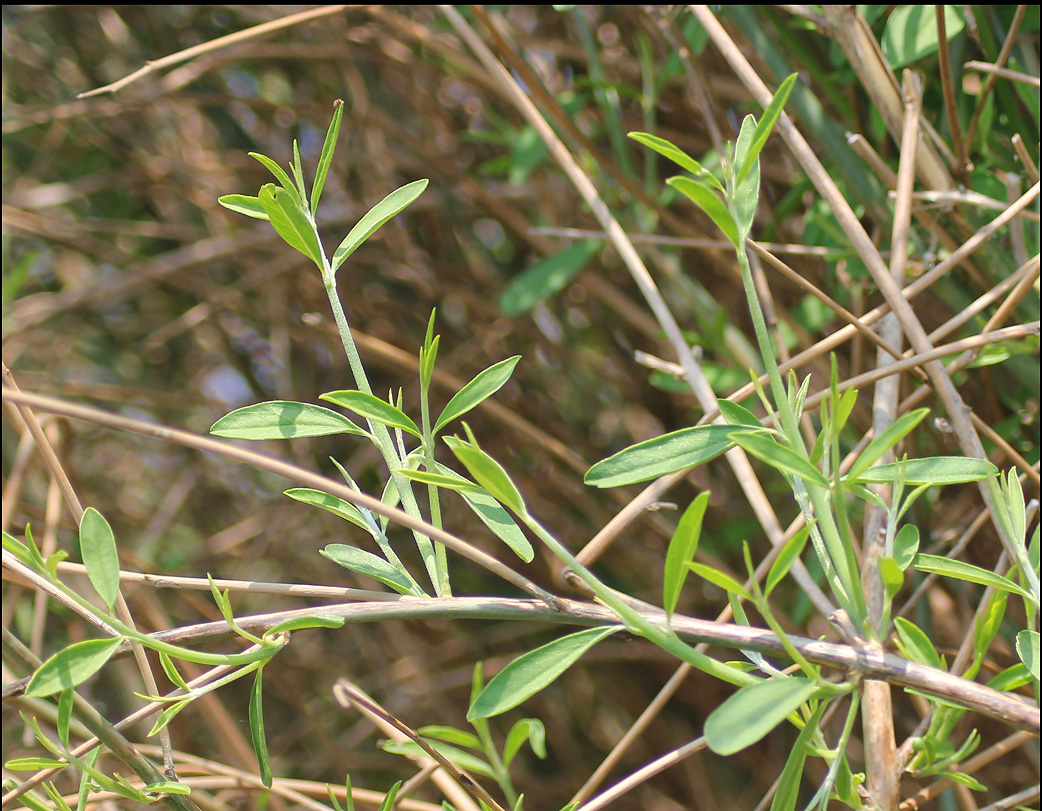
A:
[244,204]
[766,126]
[290,221]
[738,415]
[790,554]
[1012,678]
[527,729]
[906,545]
[780,457]
[545,278]
[533,671]
[753,711]
[368,564]
[789,782]
[337,506]
[280,175]
[678,156]
[71,666]
[929,470]
[718,578]
[487,472]
[483,386]
[391,206]
[326,159]
[886,441]
[1028,651]
[681,551]
[656,457]
[911,32]
[915,644]
[462,758]
[283,419]
[892,576]
[707,199]
[961,570]
[304,623]
[98,549]
[372,408]
[457,737]
[260,743]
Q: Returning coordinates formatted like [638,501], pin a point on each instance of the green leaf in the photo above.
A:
[681,551]
[71,666]
[906,544]
[545,278]
[391,206]
[483,386]
[1028,651]
[337,506]
[492,515]
[326,159]
[780,457]
[304,623]
[718,578]
[372,408]
[656,457]
[753,711]
[532,671]
[790,554]
[33,764]
[678,156]
[706,199]
[928,470]
[789,782]
[961,570]
[280,175]
[368,564]
[462,758]
[915,644]
[886,441]
[98,549]
[911,32]
[260,744]
[766,126]
[892,576]
[244,204]
[527,729]
[738,415]
[487,472]
[290,222]
[745,194]
[457,737]
[283,419]
[172,672]
[456,483]
[167,715]
[65,703]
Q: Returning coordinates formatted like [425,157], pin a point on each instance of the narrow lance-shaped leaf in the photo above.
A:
[718,578]
[929,470]
[961,570]
[71,666]
[656,457]
[789,782]
[678,156]
[545,278]
[780,457]
[244,204]
[533,671]
[280,174]
[483,386]
[260,743]
[330,503]
[744,195]
[98,548]
[753,711]
[326,159]
[392,205]
[358,560]
[1028,651]
[706,199]
[766,126]
[894,433]
[486,471]
[290,222]
[681,551]
[372,408]
[283,419]
[790,554]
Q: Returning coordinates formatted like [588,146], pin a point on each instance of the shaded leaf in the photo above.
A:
[1028,651]
[707,199]
[244,204]
[789,782]
[283,419]
[915,644]
[358,560]
[752,712]
[337,506]
[911,32]
[790,554]
[906,544]
[780,457]
[533,671]
[545,278]
[260,743]
[681,551]
[527,729]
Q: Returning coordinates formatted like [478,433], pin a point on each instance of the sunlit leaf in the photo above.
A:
[929,470]
[98,548]
[678,156]
[244,204]
[483,386]
[71,666]
[260,743]
[368,564]
[709,201]
[681,551]
[283,419]
[752,712]
[656,457]
[372,408]
[961,570]
[886,441]
[766,126]
[1028,651]
[391,206]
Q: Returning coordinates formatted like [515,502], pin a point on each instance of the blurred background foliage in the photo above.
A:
[127,286]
